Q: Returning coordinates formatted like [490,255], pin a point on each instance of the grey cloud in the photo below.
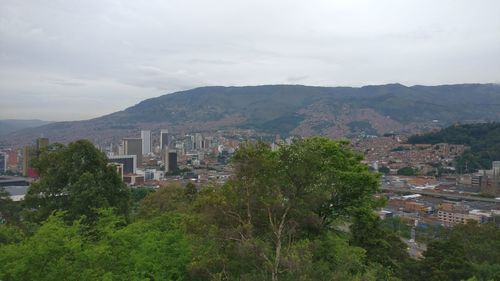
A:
[295,79]
[95,57]
[67,83]
[211,61]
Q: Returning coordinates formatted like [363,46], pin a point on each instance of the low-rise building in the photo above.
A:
[450,214]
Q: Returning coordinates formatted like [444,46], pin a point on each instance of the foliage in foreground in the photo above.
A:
[111,250]
[304,212]
[278,218]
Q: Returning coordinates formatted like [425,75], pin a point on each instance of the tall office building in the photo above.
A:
[164,158]
[133,146]
[179,147]
[163,139]
[129,162]
[3,162]
[146,141]
[33,152]
[208,142]
[198,141]
[169,159]
[27,150]
[172,161]
[188,142]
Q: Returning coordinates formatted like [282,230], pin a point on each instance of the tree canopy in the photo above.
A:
[145,250]
[78,180]
[280,206]
[406,171]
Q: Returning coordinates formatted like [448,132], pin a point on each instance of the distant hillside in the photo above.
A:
[337,112]
[483,139]
[12,125]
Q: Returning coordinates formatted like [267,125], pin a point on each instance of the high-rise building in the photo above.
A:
[164,158]
[146,141]
[129,162]
[198,141]
[133,146]
[179,147]
[163,139]
[27,150]
[41,143]
[3,162]
[208,142]
[32,152]
[172,161]
[188,142]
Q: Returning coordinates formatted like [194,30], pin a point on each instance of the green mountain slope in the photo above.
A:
[293,109]
[262,104]
[483,140]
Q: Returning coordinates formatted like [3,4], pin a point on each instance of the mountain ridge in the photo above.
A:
[8,126]
[336,112]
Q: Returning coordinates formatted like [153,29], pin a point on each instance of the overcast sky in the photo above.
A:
[70,60]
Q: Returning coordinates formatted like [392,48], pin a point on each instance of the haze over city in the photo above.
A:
[71,60]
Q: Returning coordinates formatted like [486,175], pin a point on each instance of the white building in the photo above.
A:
[146,141]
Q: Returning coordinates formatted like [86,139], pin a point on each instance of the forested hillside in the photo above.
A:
[483,140]
[336,112]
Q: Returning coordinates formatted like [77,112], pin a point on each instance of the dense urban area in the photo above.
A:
[424,194]
[419,180]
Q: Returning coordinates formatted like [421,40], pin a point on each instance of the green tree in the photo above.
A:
[10,234]
[169,198]
[278,203]
[483,139]
[445,260]
[137,194]
[9,210]
[76,179]
[382,246]
[384,170]
[466,251]
[191,190]
[407,171]
[156,249]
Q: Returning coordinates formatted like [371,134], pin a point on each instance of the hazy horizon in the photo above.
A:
[66,60]
[131,105]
